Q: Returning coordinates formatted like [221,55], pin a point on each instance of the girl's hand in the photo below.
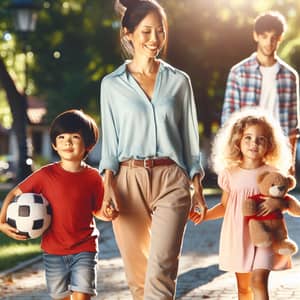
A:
[270,205]
[12,232]
[197,214]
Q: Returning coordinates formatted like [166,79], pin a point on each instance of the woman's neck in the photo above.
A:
[143,66]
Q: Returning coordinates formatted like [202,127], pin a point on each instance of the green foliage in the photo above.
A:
[2,195]
[40,161]
[208,37]
[5,115]
[76,43]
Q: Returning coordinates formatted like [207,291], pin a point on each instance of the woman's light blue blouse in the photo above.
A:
[133,127]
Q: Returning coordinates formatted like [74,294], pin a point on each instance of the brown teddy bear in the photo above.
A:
[271,229]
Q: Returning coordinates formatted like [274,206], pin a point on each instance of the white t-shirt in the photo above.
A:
[269,95]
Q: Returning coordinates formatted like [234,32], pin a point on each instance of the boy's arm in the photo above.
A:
[4,227]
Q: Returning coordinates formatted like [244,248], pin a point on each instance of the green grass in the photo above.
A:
[12,251]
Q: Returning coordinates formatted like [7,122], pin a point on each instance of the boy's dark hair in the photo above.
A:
[72,121]
[268,21]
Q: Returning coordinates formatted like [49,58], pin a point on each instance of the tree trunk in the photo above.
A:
[18,106]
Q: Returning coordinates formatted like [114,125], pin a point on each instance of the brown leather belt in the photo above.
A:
[147,163]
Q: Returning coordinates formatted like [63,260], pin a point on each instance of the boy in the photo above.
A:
[74,191]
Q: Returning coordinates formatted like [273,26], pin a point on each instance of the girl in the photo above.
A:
[150,153]
[250,143]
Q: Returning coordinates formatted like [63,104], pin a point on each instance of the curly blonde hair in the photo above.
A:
[226,151]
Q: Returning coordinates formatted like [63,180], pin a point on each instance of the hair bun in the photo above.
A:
[128,3]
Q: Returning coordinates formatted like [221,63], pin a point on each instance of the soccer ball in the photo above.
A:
[30,213]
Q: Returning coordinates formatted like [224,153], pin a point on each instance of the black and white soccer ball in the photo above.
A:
[30,213]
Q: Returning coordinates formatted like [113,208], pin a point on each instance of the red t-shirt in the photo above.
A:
[73,197]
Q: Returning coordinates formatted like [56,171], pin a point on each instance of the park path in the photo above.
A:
[199,276]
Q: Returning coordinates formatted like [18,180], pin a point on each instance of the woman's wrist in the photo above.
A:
[108,177]
[197,181]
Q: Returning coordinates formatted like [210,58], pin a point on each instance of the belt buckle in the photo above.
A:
[146,161]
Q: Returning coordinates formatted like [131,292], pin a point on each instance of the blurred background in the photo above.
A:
[54,53]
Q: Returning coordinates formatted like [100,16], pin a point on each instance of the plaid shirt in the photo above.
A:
[244,88]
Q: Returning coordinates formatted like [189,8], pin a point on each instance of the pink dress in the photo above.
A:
[237,253]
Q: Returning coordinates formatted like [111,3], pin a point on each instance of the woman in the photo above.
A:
[150,152]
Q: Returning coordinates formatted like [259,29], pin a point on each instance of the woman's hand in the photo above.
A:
[111,198]
[12,232]
[109,209]
[199,207]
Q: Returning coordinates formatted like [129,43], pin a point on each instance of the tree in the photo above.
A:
[18,106]
[75,45]
[206,39]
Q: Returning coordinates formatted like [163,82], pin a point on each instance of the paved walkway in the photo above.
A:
[199,276]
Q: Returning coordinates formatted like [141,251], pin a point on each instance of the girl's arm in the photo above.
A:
[216,212]
[4,227]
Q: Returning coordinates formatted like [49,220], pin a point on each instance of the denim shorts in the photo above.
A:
[70,273]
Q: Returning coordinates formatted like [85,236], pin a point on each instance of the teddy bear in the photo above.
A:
[271,229]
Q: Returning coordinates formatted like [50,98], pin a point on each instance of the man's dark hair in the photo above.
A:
[268,21]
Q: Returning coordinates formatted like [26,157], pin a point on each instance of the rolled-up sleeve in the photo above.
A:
[190,134]
[109,148]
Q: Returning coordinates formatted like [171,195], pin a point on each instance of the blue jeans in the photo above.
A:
[70,273]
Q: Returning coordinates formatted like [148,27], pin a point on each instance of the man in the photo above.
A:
[264,80]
